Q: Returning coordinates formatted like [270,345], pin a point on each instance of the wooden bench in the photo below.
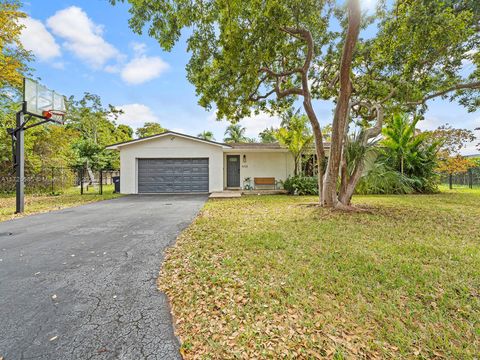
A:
[264,181]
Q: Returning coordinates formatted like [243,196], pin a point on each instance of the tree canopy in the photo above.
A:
[235,133]
[149,129]
[268,135]
[206,135]
[13,57]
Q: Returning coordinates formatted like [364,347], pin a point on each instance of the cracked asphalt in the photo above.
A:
[80,283]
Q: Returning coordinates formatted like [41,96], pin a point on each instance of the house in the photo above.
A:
[171,162]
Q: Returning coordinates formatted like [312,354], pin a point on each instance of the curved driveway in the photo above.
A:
[80,283]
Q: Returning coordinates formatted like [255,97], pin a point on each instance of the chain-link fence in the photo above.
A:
[47,180]
[470,179]
[95,182]
[54,180]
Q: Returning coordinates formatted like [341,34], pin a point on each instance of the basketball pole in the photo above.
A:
[20,163]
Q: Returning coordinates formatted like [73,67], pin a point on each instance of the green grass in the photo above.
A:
[269,277]
[43,203]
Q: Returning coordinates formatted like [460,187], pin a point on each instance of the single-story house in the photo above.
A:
[171,162]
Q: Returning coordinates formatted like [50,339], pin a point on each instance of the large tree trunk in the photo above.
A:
[318,138]
[330,198]
[349,183]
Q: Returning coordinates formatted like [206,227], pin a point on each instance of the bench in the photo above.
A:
[264,181]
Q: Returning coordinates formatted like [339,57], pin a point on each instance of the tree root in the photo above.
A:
[339,207]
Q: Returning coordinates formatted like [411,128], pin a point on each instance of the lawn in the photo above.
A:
[43,203]
[268,277]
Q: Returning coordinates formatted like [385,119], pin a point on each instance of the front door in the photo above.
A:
[233,170]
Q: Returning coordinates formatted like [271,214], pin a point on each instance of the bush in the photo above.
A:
[383,180]
[301,185]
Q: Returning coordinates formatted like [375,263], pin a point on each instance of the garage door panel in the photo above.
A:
[172,175]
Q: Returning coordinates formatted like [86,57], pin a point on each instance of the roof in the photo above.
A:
[151,137]
[256,146]
[240,146]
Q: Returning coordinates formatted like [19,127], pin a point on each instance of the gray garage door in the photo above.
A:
[172,175]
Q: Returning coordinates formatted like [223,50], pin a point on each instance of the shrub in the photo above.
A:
[383,180]
[301,185]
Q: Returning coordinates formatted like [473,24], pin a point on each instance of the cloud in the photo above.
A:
[142,69]
[135,115]
[368,5]
[257,123]
[82,36]
[254,124]
[36,38]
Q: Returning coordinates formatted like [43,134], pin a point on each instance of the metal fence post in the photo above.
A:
[81,181]
[101,182]
[53,189]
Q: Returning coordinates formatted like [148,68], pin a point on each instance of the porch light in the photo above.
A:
[244,158]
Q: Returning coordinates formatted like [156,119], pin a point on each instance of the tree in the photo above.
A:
[97,128]
[235,133]
[263,56]
[297,138]
[150,129]
[478,145]
[401,140]
[13,56]
[206,135]
[410,152]
[123,133]
[452,140]
[455,165]
[268,135]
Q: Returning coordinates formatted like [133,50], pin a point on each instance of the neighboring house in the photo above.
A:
[177,163]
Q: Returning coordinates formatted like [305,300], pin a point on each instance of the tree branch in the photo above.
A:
[281,74]
[254,97]
[472,85]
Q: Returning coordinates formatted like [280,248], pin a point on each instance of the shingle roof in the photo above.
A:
[165,134]
[265,145]
[256,145]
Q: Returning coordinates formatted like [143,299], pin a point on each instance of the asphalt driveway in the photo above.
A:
[80,283]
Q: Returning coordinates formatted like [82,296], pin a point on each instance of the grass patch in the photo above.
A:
[43,203]
[264,276]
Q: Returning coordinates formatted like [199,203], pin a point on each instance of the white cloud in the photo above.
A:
[135,115]
[257,123]
[142,69]
[82,36]
[139,48]
[254,124]
[36,38]
[368,5]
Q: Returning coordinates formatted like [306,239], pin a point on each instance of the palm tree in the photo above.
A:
[401,139]
[410,152]
[235,133]
[206,135]
[297,137]
[268,135]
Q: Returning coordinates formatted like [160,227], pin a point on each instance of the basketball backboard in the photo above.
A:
[43,102]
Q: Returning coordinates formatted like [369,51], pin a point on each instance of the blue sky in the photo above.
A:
[87,46]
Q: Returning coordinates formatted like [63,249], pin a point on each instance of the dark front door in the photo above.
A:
[233,170]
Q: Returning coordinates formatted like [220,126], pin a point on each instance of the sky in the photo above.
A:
[87,46]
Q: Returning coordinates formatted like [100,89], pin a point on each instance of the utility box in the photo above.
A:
[116,183]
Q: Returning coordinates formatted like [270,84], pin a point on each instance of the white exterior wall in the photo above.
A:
[170,146]
[277,164]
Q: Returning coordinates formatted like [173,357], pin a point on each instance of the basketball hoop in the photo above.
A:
[57,116]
